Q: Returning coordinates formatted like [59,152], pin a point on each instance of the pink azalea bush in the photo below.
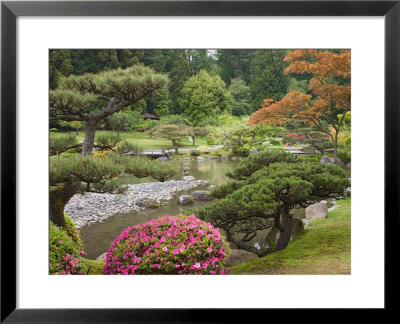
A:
[168,245]
[65,252]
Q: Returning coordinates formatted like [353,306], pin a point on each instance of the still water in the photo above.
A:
[98,237]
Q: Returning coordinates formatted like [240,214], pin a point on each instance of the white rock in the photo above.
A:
[318,210]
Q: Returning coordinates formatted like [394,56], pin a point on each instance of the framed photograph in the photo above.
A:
[197,137]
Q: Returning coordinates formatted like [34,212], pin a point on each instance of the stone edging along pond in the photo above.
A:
[89,208]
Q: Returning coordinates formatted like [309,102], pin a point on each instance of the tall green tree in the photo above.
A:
[156,59]
[179,72]
[200,59]
[159,103]
[94,97]
[267,76]
[240,93]
[234,63]
[128,57]
[203,96]
[59,66]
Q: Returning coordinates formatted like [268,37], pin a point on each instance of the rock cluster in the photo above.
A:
[90,207]
[196,195]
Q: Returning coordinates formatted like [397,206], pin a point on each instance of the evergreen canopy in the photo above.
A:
[270,185]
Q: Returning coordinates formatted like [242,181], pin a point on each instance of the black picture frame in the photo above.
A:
[10,10]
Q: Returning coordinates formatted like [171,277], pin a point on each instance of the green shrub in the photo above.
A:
[210,141]
[126,147]
[242,151]
[64,253]
[259,147]
[108,141]
[60,144]
[72,231]
[195,153]
[275,141]
[344,155]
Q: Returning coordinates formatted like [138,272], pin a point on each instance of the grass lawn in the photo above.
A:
[95,267]
[322,248]
[142,139]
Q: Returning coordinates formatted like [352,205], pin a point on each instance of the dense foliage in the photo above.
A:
[269,185]
[168,245]
[65,251]
[204,95]
[60,144]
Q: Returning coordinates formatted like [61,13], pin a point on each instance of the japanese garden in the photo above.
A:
[199,161]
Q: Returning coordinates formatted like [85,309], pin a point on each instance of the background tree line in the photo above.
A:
[247,75]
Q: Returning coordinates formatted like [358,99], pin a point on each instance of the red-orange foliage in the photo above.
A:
[327,95]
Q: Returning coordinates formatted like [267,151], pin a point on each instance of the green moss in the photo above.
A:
[322,248]
[94,267]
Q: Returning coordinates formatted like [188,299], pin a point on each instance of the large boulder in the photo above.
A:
[204,149]
[185,200]
[326,160]
[148,203]
[201,195]
[318,210]
[239,257]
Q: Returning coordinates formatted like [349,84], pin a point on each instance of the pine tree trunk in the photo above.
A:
[335,146]
[59,197]
[88,143]
[286,231]
[174,144]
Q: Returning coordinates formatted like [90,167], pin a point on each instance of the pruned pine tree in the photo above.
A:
[268,186]
[94,97]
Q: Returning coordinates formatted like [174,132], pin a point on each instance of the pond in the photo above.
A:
[98,237]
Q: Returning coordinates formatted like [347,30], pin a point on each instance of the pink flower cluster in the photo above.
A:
[70,264]
[168,245]
[64,253]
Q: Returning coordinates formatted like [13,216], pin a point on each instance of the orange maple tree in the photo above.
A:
[329,88]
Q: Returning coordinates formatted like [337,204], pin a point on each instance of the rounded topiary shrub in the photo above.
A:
[168,245]
[64,253]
